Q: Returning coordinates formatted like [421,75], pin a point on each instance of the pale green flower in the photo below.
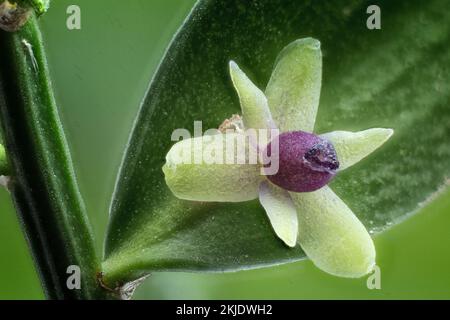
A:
[320,222]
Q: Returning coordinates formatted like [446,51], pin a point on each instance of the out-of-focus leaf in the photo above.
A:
[396,77]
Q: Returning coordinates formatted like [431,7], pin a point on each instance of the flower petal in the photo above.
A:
[213,168]
[293,91]
[281,211]
[255,109]
[352,147]
[332,236]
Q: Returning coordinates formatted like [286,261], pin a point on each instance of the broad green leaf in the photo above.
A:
[396,77]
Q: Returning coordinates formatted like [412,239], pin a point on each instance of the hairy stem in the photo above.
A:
[4,168]
[43,183]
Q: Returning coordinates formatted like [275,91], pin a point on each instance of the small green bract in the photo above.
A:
[39,6]
[319,221]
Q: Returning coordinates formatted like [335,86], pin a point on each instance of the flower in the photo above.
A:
[314,218]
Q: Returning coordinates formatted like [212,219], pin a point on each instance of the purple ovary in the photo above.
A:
[306,162]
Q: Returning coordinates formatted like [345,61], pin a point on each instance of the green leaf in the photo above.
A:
[396,77]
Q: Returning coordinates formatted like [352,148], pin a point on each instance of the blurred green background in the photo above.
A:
[100,74]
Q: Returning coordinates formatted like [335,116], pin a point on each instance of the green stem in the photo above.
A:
[43,185]
[4,168]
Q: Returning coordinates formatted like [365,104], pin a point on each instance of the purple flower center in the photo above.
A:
[322,157]
[306,162]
